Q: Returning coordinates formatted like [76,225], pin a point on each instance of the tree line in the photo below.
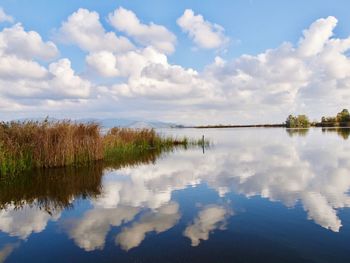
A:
[342,119]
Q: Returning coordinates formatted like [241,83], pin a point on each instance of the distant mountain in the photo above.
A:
[153,124]
[109,123]
[39,119]
[140,125]
[128,123]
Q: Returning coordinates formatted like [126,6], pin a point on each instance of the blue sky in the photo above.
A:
[250,27]
[254,26]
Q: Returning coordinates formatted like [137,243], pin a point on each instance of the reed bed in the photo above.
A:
[24,145]
[120,142]
[32,144]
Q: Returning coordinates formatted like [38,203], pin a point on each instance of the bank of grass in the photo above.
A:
[33,144]
[120,143]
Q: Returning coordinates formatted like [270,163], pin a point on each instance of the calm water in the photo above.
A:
[257,194]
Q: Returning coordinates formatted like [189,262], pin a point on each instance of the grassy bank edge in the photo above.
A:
[28,145]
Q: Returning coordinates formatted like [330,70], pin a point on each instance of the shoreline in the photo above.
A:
[261,126]
[238,126]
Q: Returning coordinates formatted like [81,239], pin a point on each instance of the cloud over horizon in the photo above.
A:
[128,72]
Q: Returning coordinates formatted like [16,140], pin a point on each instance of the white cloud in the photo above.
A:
[5,17]
[248,89]
[14,68]
[153,35]
[204,33]
[278,80]
[317,36]
[149,75]
[209,218]
[84,29]
[57,82]
[25,44]
[129,64]
[66,82]
[23,77]
[103,63]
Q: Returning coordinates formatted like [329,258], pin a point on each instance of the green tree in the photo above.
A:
[300,121]
[290,122]
[343,116]
[303,121]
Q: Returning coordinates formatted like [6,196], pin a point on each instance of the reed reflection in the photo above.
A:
[56,188]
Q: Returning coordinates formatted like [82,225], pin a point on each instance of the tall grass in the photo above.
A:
[27,145]
[120,142]
[24,145]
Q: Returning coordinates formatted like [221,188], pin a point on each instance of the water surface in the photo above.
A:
[275,194]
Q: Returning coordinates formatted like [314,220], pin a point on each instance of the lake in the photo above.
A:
[255,194]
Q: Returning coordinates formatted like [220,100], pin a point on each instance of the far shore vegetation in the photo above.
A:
[46,144]
[342,119]
[300,121]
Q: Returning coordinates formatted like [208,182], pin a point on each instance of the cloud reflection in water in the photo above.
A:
[311,170]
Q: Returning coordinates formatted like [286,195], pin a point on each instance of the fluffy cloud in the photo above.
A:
[144,84]
[65,82]
[57,82]
[5,17]
[209,218]
[129,64]
[14,68]
[23,77]
[317,36]
[18,51]
[153,35]
[204,33]
[103,63]
[150,76]
[84,29]
[285,78]
[27,45]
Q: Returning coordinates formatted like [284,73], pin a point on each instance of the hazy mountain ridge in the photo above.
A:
[110,122]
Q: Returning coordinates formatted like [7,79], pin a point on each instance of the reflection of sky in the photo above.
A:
[159,221]
[7,250]
[312,171]
[209,218]
[23,222]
